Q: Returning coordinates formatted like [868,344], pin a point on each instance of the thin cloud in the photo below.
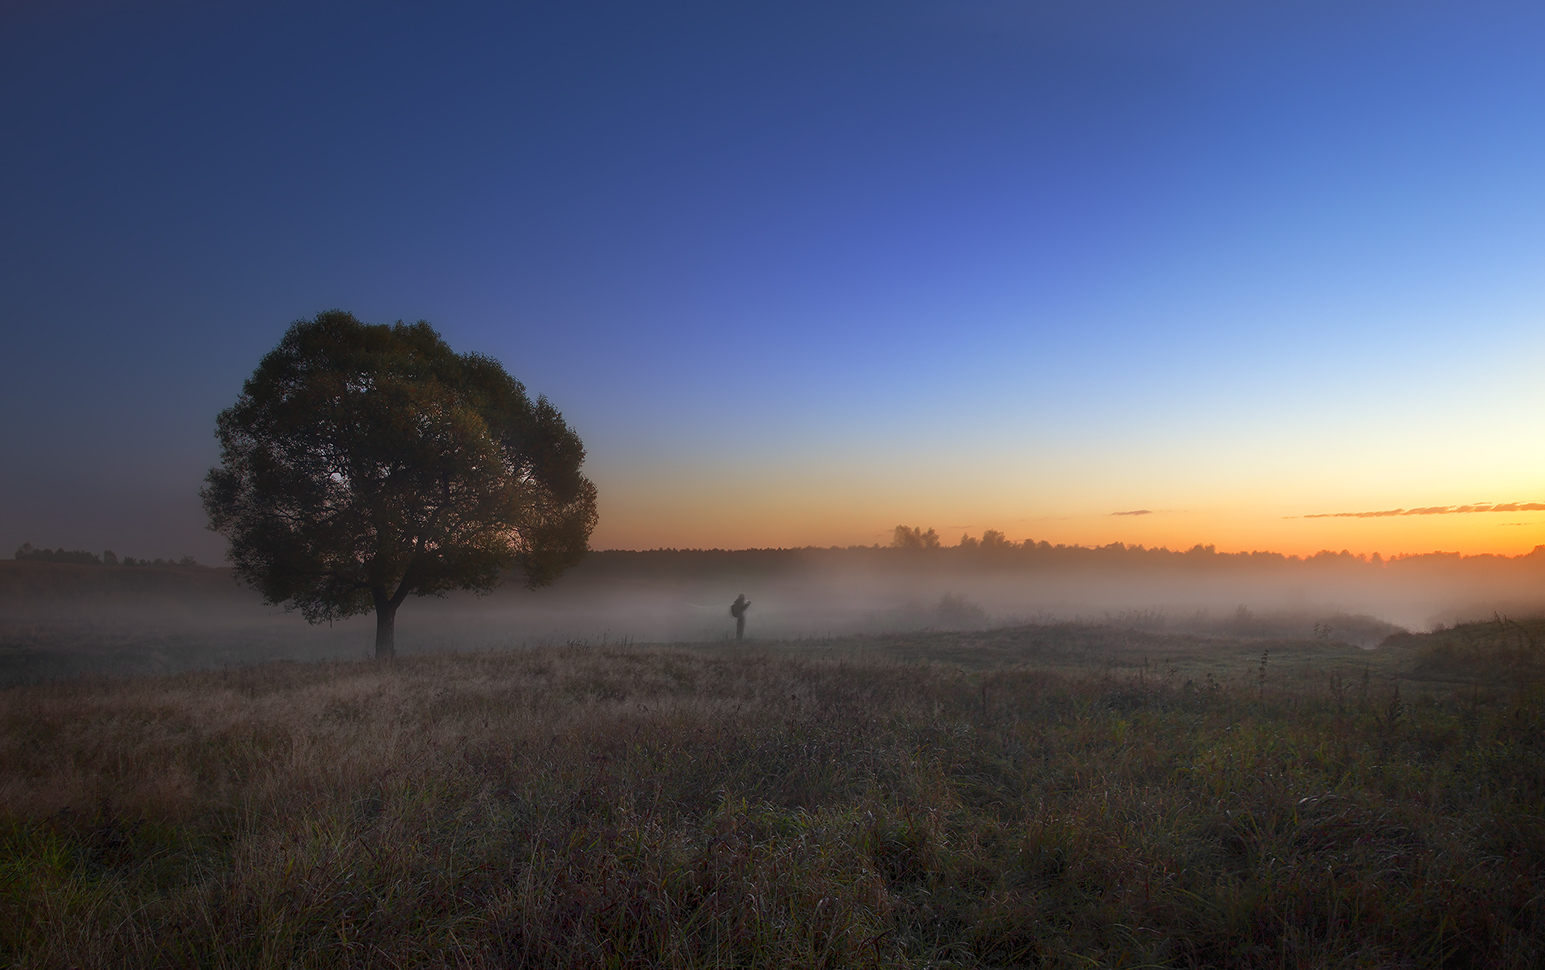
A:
[1432,510]
[1135,512]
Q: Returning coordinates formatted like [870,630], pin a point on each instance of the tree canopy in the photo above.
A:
[903,537]
[366,463]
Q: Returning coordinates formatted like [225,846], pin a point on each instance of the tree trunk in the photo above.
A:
[386,631]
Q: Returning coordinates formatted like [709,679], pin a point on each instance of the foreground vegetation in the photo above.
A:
[1053,797]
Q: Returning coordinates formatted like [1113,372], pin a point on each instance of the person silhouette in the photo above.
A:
[738,611]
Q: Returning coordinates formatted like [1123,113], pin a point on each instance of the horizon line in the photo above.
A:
[1030,544]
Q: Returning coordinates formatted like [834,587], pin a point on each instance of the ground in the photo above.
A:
[1037,796]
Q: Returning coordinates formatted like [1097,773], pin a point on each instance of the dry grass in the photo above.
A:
[581,807]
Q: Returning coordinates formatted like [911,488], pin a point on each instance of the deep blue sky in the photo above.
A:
[797,272]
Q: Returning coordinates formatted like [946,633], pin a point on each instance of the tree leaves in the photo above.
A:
[365,463]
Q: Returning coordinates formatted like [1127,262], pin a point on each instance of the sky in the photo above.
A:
[799,272]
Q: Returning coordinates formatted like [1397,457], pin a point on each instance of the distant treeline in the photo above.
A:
[80,557]
[995,544]
[913,549]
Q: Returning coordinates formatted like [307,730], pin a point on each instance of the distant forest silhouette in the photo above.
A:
[80,557]
[916,546]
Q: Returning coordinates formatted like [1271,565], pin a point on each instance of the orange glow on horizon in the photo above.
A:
[641,521]
[1073,499]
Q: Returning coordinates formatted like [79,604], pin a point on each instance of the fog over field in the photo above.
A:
[58,618]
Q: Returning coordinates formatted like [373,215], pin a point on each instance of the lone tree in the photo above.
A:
[364,463]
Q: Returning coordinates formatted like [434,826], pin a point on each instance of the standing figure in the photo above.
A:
[738,611]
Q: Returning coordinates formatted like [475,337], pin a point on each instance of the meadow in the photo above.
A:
[1059,795]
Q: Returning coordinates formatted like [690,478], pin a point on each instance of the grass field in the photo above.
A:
[1052,796]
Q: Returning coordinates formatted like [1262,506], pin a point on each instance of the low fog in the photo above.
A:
[57,619]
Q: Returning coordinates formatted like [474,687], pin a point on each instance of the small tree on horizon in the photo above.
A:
[366,463]
[995,541]
[914,537]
